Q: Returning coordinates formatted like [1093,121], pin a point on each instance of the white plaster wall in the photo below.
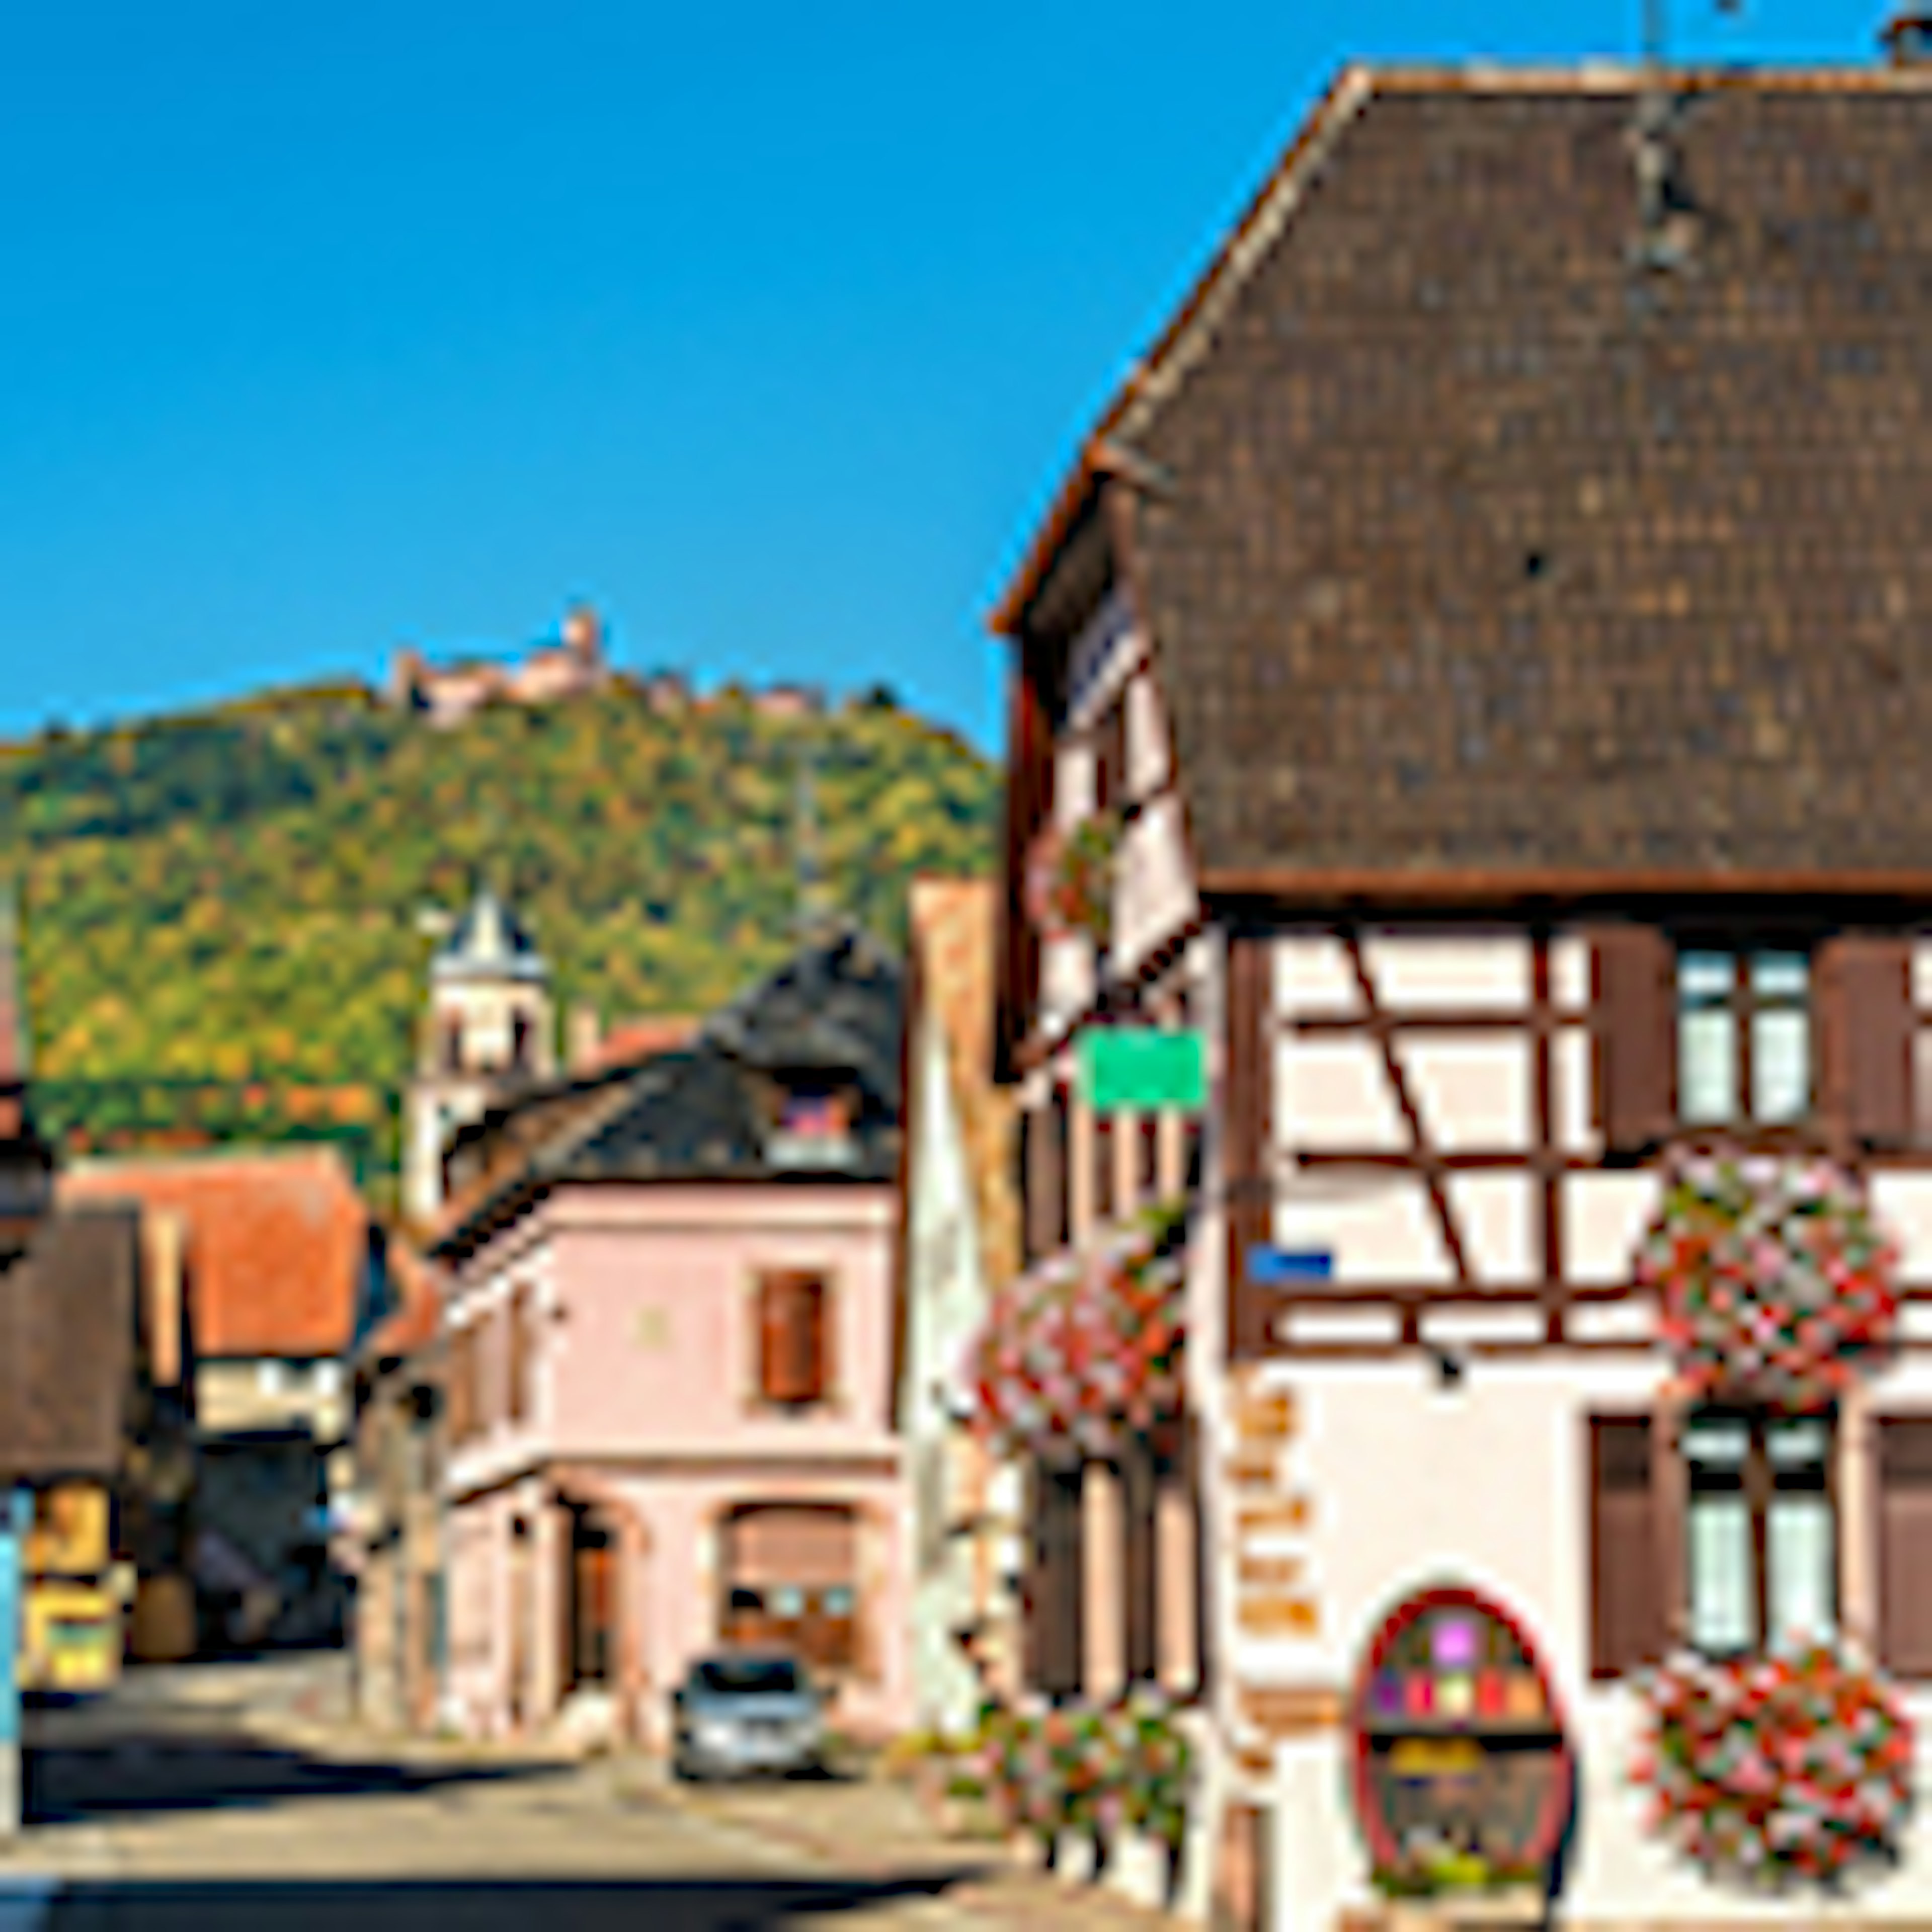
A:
[1490,971]
[946,1296]
[1149,767]
[1334,1092]
[1486,1485]
[1155,895]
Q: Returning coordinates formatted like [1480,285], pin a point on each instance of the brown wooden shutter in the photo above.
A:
[1861,1001]
[1905,1545]
[1059,1170]
[1628,1626]
[811,1338]
[1634,1046]
[1110,759]
[1104,1190]
[790,1344]
[1066,1652]
[1139,1496]
[1147,1155]
[1033,1581]
[1247,1173]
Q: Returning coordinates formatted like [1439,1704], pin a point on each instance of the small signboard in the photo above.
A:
[1142,1068]
[1269,1266]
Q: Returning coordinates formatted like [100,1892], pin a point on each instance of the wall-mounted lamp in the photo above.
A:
[1450,1367]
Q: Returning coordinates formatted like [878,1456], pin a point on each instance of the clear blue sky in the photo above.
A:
[767,327]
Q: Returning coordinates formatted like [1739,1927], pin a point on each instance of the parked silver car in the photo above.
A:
[741,1713]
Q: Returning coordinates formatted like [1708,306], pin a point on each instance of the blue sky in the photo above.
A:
[768,329]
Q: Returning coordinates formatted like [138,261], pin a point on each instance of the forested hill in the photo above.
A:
[221,909]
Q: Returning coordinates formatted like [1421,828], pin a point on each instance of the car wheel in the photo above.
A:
[683,1770]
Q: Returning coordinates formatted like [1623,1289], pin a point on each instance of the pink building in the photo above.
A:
[668,1325]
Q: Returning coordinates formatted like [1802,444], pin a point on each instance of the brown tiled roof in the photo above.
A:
[1469,543]
[276,1243]
[67,1339]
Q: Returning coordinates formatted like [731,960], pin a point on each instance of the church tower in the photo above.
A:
[26,1161]
[488,1030]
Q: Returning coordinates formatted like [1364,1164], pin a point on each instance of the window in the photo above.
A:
[1110,758]
[1744,1036]
[813,1126]
[1761,1553]
[791,1322]
[452,1044]
[520,1041]
[1146,1156]
[1105,1204]
[521,1343]
[1055,1594]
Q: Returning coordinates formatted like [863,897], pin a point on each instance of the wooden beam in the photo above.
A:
[1427,1159]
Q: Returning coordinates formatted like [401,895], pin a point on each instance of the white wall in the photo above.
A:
[946,1293]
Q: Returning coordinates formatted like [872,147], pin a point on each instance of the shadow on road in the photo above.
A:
[642,1905]
[71,1784]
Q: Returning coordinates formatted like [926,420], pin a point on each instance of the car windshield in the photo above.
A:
[748,1677]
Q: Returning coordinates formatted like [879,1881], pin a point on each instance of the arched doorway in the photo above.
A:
[789,1575]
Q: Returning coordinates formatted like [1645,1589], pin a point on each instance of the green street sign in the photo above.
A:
[1142,1068]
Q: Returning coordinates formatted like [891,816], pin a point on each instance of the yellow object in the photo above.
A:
[1429,1757]
[69,1536]
[70,1638]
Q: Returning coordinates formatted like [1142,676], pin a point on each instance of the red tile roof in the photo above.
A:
[632,1041]
[276,1243]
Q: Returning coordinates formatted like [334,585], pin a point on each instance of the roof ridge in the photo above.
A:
[1156,373]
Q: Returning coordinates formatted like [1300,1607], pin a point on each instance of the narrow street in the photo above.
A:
[232,1797]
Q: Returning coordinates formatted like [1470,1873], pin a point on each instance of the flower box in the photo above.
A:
[1773,1283]
[1068,884]
[1777,1771]
[1087,1350]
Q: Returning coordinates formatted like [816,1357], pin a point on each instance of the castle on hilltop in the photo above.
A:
[446,694]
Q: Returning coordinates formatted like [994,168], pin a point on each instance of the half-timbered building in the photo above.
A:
[1498,615]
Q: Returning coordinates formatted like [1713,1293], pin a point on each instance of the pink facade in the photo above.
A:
[616,1428]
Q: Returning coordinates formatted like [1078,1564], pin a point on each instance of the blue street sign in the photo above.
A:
[17,1514]
[1269,1266]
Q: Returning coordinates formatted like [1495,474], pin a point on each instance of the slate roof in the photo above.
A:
[67,1344]
[1473,547]
[276,1243]
[693,1113]
[488,942]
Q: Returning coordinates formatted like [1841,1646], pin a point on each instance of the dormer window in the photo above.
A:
[813,1126]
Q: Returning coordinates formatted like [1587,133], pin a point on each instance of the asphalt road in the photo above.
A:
[224,1801]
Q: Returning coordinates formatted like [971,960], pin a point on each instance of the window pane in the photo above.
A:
[1798,1443]
[1707,1066]
[1781,976]
[1721,1605]
[1798,1550]
[1780,1066]
[1716,1442]
[1703,978]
